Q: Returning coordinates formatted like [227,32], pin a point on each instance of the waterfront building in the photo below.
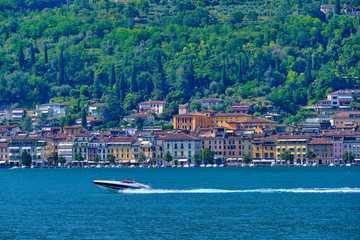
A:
[296,144]
[181,146]
[323,150]
[352,144]
[3,149]
[65,149]
[264,150]
[135,150]
[52,146]
[33,144]
[98,146]
[158,151]
[81,145]
[215,144]
[338,141]
[120,148]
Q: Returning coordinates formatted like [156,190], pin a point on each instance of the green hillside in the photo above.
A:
[284,53]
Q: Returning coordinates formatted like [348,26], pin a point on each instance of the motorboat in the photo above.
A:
[186,165]
[348,165]
[202,165]
[116,186]
[331,165]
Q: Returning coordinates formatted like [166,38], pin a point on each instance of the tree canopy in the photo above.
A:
[288,53]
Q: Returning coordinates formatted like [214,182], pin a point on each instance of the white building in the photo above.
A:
[15,114]
[153,106]
[93,109]
[341,99]
[65,148]
[55,110]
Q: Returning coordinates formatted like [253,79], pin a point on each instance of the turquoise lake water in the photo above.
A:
[186,203]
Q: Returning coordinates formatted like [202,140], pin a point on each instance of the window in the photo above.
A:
[189,145]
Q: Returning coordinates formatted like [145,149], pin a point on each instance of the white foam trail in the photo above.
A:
[262,190]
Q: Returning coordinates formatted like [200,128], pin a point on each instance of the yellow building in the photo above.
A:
[296,144]
[257,124]
[345,117]
[264,150]
[190,121]
[120,147]
[223,119]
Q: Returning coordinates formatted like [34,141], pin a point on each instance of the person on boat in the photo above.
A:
[134,181]
[127,180]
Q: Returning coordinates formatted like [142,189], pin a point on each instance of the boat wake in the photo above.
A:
[262,190]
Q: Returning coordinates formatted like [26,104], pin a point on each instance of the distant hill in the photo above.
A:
[285,54]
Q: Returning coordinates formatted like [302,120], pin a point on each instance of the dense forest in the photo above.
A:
[285,54]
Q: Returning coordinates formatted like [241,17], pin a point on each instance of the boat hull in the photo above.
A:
[116,186]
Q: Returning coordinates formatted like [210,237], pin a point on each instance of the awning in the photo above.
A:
[267,160]
[229,131]
[133,161]
[2,162]
[231,159]
[145,142]
[124,161]
[183,160]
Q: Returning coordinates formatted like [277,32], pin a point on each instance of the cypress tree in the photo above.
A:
[134,86]
[239,73]
[46,54]
[96,88]
[117,88]
[112,79]
[83,119]
[61,68]
[122,88]
[78,107]
[159,63]
[21,58]
[337,7]
[191,73]
[308,76]
[32,54]
[223,83]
